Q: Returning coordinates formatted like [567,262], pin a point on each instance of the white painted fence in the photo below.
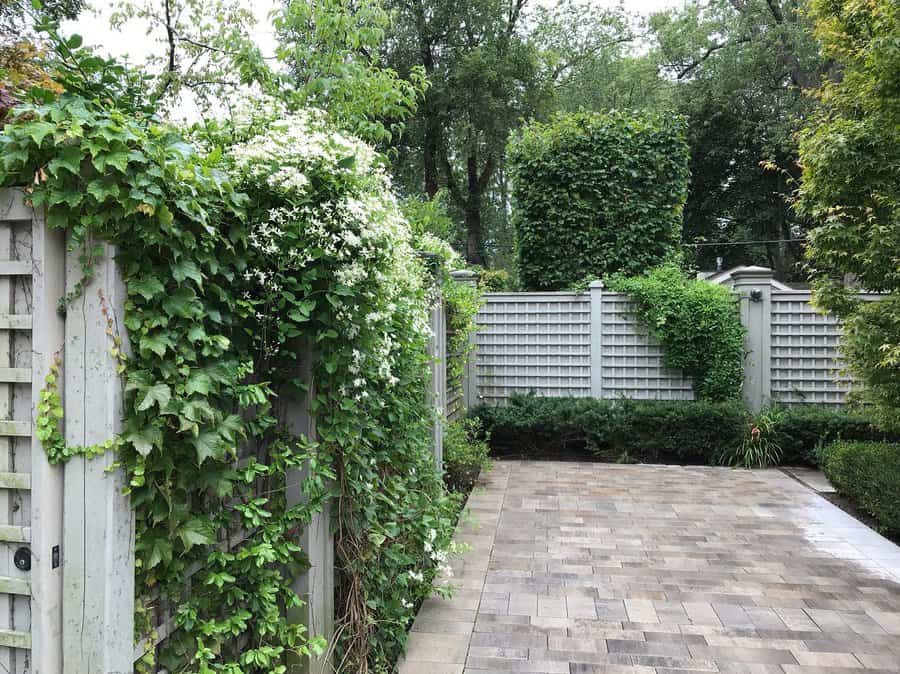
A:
[593,345]
[67,531]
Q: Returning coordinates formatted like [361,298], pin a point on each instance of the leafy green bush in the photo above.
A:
[681,431]
[641,430]
[802,430]
[596,194]
[495,281]
[698,325]
[466,453]
[868,473]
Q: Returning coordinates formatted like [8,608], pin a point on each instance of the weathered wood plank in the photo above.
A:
[98,521]
[15,481]
[15,639]
[12,205]
[15,267]
[15,586]
[49,255]
[15,322]
[15,375]
[11,534]
[19,429]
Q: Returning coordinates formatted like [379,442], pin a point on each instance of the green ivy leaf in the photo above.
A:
[199,382]
[208,444]
[187,269]
[147,287]
[157,343]
[38,130]
[146,439]
[196,532]
[159,394]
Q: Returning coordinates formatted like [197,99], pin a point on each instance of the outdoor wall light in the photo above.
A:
[756,296]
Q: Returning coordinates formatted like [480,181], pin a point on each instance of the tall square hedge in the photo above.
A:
[595,194]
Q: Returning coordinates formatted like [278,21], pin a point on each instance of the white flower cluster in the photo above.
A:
[298,143]
[360,235]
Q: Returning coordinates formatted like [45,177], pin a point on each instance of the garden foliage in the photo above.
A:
[850,153]
[596,194]
[802,430]
[649,431]
[466,453]
[698,325]
[868,473]
[671,431]
[241,251]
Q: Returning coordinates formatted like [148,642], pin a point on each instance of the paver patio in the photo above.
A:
[582,568]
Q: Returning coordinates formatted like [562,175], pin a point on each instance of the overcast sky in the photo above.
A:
[133,39]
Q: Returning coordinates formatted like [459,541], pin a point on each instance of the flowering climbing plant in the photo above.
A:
[252,250]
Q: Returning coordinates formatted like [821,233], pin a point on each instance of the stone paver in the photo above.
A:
[583,568]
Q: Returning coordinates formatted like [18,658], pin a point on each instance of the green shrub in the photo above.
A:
[868,473]
[802,430]
[596,194]
[680,431]
[649,431]
[698,325]
[466,453]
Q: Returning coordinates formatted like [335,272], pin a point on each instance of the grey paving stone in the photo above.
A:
[586,568]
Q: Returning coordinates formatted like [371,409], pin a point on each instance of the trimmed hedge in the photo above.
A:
[660,431]
[596,194]
[801,431]
[868,473]
[648,431]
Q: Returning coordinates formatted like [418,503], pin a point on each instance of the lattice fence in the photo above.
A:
[592,344]
[537,342]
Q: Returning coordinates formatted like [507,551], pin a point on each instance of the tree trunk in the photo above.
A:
[430,147]
[473,210]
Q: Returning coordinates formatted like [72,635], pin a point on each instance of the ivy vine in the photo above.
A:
[698,324]
[241,246]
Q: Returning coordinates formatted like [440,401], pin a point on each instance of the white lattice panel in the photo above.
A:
[806,364]
[632,360]
[538,342]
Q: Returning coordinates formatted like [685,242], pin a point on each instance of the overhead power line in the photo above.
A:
[742,243]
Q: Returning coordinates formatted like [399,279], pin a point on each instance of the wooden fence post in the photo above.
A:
[316,586]
[98,523]
[48,334]
[469,382]
[596,292]
[753,286]
[437,392]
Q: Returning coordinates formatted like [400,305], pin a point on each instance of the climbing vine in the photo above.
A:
[244,249]
[698,325]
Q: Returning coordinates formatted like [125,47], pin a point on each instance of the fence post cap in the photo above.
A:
[596,284]
[752,274]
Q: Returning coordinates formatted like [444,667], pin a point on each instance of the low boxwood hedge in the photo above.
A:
[660,431]
[649,431]
[868,473]
[801,431]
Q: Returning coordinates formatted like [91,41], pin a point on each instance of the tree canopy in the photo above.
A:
[850,151]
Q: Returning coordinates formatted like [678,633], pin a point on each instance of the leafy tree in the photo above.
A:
[741,67]
[332,50]
[850,153]
[21,53]
[597,194]
[490,64]
[205,53]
